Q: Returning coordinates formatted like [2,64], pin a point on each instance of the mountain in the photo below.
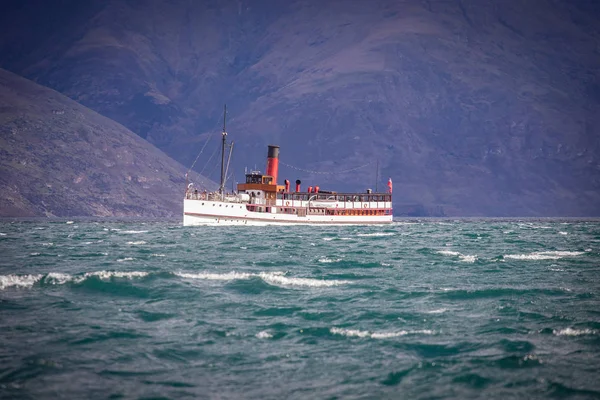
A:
[473,108]
[62,159]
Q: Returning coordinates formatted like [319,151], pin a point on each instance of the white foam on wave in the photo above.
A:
[544,255]
[563,233]
[328,239]
[105,275]
[278,278]
[462,257]
[70,222]
[125,259]
[574,332]
[448,253]
[229,276]
[437,311]
[136,243]
[57,278]
[158,255]
[7,281]
[130,232]
[376,234]
[377,335]
[264,335]
[327,260]
[467,258]
[2,234]
[274,278]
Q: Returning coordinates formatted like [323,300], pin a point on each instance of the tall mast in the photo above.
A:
[224,135]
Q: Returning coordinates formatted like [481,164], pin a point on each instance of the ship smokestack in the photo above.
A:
[287,185]
[273,162]
[298,182]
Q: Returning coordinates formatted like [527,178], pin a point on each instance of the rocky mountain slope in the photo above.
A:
[59,158]
[474,108]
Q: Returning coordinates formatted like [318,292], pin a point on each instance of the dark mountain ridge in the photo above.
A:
[474,108]
[60,159]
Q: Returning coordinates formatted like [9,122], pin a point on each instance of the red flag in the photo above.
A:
[390,185]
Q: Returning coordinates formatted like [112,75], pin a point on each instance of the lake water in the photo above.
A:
[418,309]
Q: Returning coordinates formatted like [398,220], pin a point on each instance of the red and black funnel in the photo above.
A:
[273,162]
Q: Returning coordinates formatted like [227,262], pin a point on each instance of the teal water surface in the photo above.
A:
[418,309]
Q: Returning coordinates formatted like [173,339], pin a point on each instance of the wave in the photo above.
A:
[264,335]
[7,281]
[136,243]
[326,260]
[376,234]
[574,332]
[544,255]
[274,278]
[377,335]
[437,311]
[448,253]
[130,232]
[58,278]
[462,257]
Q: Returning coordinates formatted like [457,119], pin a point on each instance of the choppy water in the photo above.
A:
[419,309]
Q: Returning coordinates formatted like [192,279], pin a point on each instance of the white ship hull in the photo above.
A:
[206,212]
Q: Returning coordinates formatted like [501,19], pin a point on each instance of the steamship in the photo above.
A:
[262,201]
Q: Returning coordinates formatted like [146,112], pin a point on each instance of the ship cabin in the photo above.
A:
[262,195]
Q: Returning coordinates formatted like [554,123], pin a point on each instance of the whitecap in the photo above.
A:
[34,254]
[278,278]
[377,335]
[544,255]
[2,234]
[131,232]
[467,258]
[70,222]
[437,311]
[229,276]
[105,275]
[326,260]
[125,259]
[18,280]
[574,332]
[57,278]
[158,255]
[375,234]
[264,335]
[328,239]
[274,278]
[563,233]
[448,253]
[139,242]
